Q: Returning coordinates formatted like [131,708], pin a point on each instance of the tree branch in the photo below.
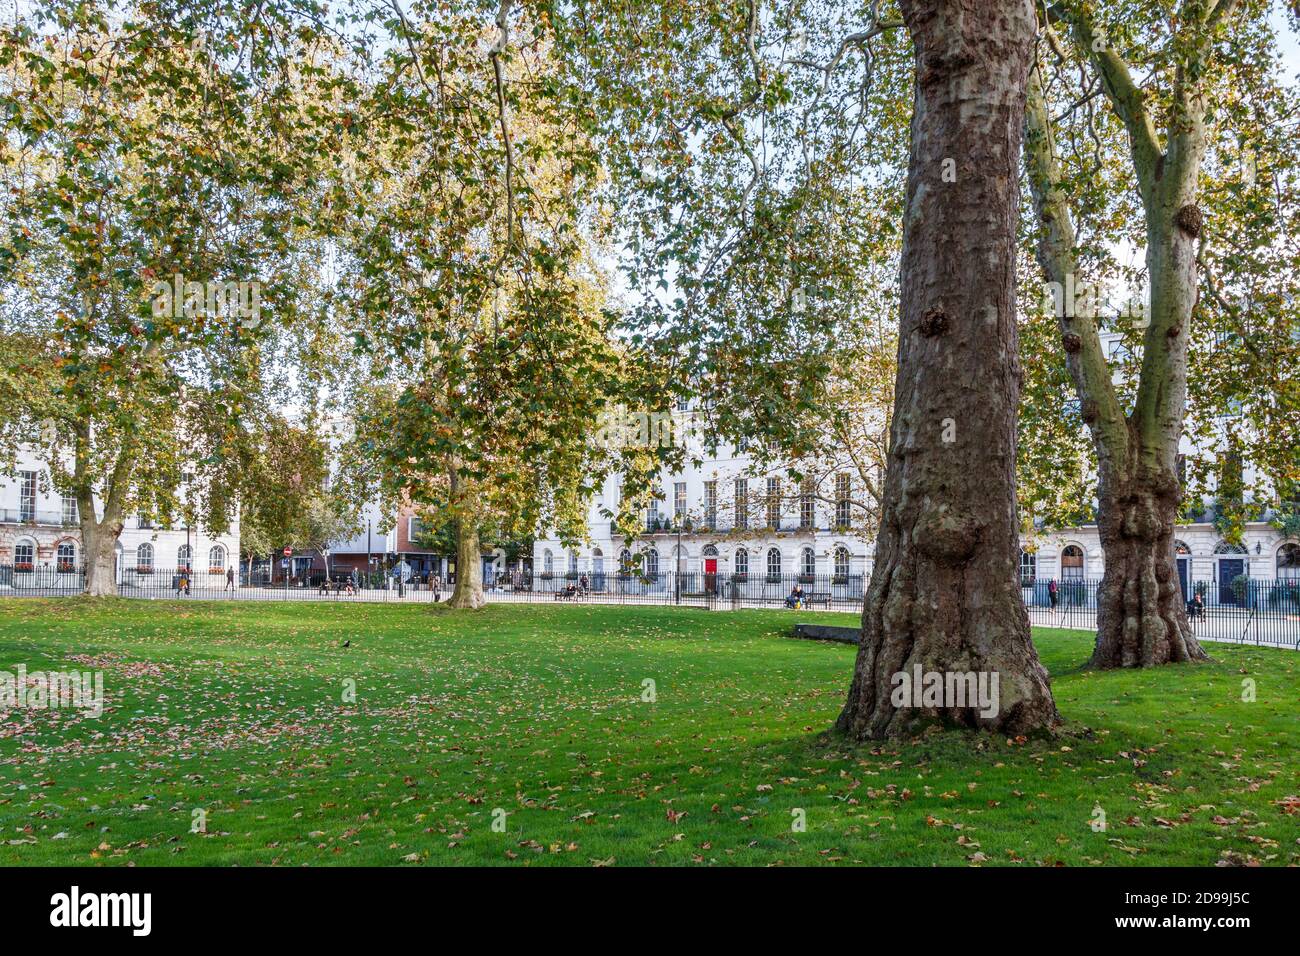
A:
[1125,95]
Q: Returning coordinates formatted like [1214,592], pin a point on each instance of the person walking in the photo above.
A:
[230,580]
[1052,595]
[435,582]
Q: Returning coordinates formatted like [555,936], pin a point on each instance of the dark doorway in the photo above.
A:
[1229,570]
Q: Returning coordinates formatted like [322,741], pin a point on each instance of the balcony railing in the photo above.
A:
[665,526]
[44,519]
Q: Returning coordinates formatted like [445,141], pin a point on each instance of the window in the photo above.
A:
[843,517]
[1181,548]
[66,557]
[808,562]
[710,504]
[679,501]
[1028,567]
[774,503]
[842,563]
[24,556]
[1288,562]
[624,561]
[742,503]
[807,505]
[548,561]
[652,563]
[1072,563]
[1224,548]
[27,496]
[742,562]
[414,528]
[70,515]
[183,557]
[144,559]
[141,521]
[652,515]
[774,563]
[217,558]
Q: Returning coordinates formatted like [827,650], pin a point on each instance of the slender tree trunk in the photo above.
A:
[469,559]
[1141,619]
[1141,616]
[944,593]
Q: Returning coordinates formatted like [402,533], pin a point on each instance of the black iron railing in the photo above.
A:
[1242,610]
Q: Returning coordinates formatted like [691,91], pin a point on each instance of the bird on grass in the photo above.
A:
[347,643]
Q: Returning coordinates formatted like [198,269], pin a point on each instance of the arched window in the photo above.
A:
[1028,568]
[548,561]
[652,563]
[183,557]
[24,556]
[217,558]
[773,562]
[1224,548]
[710,551]
[808,562]
[66,557]
[1288,562]
[841,562]
[624,561]
[1072,563]
[1181,548]
[144,558]
[742,561]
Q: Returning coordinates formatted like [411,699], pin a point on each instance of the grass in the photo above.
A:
[238,710]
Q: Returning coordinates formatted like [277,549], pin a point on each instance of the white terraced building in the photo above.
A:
[741,546]
[40,538]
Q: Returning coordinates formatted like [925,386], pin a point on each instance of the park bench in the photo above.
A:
[818,597]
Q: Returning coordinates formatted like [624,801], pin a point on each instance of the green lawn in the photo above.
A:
[537,710]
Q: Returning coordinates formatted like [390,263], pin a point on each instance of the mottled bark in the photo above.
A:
[944,593]
[99,552]
[468,592]
[1141,620]
[99,534]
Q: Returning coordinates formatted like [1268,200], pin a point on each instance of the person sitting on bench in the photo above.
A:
[796,598]
[1196,608]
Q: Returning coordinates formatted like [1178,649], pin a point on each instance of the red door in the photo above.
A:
[711,575]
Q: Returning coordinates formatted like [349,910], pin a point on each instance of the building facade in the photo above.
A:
[732,528]
[724,526]
[40,538]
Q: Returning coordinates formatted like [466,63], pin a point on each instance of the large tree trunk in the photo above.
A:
[469,558]
[99,551]
[469,568]
[944,594]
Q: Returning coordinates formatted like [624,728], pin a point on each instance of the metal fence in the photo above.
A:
[1252,611]
[1255,611]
